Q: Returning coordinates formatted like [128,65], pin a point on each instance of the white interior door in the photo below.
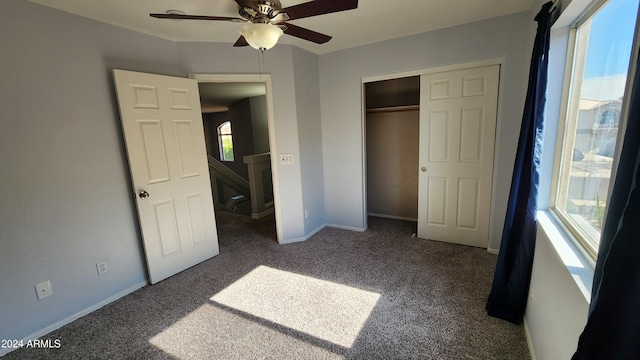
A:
[457,134]
[164,137]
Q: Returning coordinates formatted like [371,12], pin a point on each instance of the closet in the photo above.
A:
[392,143]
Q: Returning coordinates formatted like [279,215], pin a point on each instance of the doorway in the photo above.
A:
[392,122]
[242,106]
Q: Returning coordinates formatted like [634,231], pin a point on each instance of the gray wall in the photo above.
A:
[259,124]
[307,90]
[341,72]
[242,129]
[558,303]
[65,196]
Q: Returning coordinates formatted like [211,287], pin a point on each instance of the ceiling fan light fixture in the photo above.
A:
[261,36]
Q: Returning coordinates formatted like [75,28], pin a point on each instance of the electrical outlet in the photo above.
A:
[44,290]
[306,213]
[102,267]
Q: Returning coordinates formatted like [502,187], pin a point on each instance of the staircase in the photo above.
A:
[251,198]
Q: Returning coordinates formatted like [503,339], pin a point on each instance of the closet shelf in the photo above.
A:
[393,109]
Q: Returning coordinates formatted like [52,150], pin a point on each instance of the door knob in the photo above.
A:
[424,169]
[143,194]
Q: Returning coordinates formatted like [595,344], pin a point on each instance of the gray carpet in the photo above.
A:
[380,294]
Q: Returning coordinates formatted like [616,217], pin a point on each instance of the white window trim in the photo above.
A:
[220,145]
[579,264]
[574,234]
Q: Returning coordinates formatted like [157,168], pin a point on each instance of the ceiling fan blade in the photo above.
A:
[195,17]
[241,42]
[279,18]
[319,7]
[246,4]
[306,34]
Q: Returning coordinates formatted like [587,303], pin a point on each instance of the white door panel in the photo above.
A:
[164,136]
[457,133]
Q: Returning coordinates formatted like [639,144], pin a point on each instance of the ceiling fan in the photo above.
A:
[266,20]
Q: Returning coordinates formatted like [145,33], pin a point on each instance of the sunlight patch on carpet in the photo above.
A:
[323,309]
[209,332]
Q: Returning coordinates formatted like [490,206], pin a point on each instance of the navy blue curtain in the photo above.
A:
[613,328]
[508,297]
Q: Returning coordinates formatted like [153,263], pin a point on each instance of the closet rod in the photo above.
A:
[393,109]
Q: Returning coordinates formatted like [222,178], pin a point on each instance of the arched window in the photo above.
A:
[225,141]
[609,118]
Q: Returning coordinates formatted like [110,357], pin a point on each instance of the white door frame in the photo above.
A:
[266,79]
[433,70]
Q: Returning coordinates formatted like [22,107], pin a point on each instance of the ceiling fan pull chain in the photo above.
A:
[261,62]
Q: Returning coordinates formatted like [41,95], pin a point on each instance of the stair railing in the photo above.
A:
[261,204]
[258,165]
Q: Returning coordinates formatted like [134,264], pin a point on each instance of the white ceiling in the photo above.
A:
[372,21]
[216,97]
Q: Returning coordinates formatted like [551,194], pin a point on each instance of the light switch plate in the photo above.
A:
[286,159]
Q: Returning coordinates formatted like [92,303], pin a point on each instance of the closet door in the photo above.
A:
[457,133]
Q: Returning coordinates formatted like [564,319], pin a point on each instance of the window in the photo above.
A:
[603,42]
[609,119]
[225,141]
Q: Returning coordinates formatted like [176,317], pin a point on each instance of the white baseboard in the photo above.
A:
[292,241]
[315,231]
[258,216]
[493,251]
[350,228]
[40,333]
[306,237]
